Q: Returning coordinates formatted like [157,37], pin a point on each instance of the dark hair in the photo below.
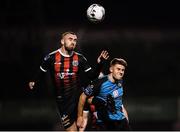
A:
[118,61]
[68,32]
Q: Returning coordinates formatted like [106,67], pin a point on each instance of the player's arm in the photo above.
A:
[41,71]
[36,78]
[85,120]
[87,92]
[94,99]
[82,100]
[94,73]
[125,112]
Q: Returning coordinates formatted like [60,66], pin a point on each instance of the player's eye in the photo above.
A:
[70,39]
[75,40]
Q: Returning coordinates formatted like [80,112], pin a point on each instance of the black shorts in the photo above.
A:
[67,119]
[68,116]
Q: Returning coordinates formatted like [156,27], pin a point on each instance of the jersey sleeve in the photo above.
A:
[42,70]
[84,64]
[89,90]
[45,64]
[94,87]
[92,73]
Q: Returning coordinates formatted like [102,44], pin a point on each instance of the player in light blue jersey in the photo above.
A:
[106,94]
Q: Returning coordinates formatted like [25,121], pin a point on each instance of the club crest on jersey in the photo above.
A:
[75,63]
[119,84]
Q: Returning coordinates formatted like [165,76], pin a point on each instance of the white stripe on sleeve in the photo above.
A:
[43,69]
[88,69]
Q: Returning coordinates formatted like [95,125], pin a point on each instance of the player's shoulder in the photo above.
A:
[104,77]
[77,53]
[50,55]
[94,86]
[80,55]
[53,52]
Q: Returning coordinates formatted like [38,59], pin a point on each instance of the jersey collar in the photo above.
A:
[65,54]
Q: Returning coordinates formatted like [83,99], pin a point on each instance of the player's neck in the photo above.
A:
[65,52]
[110,77]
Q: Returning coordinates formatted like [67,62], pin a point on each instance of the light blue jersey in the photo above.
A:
[103,87]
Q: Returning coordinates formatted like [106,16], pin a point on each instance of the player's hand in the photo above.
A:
[104,55]
[85,120]
[80,122]
[31,85]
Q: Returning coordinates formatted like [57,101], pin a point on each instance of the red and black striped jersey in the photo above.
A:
[65,73]
[65,69]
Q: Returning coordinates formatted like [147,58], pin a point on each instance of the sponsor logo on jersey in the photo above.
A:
[63,74]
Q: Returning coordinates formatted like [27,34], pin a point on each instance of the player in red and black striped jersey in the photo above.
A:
[64,65]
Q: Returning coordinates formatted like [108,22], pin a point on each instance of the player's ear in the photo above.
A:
[110,69]
[62,41]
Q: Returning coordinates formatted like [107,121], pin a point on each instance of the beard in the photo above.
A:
[69,49]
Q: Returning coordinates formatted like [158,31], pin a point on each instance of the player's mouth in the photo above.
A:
[72,45]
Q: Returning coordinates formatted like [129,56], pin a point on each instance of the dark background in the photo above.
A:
[146,34]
